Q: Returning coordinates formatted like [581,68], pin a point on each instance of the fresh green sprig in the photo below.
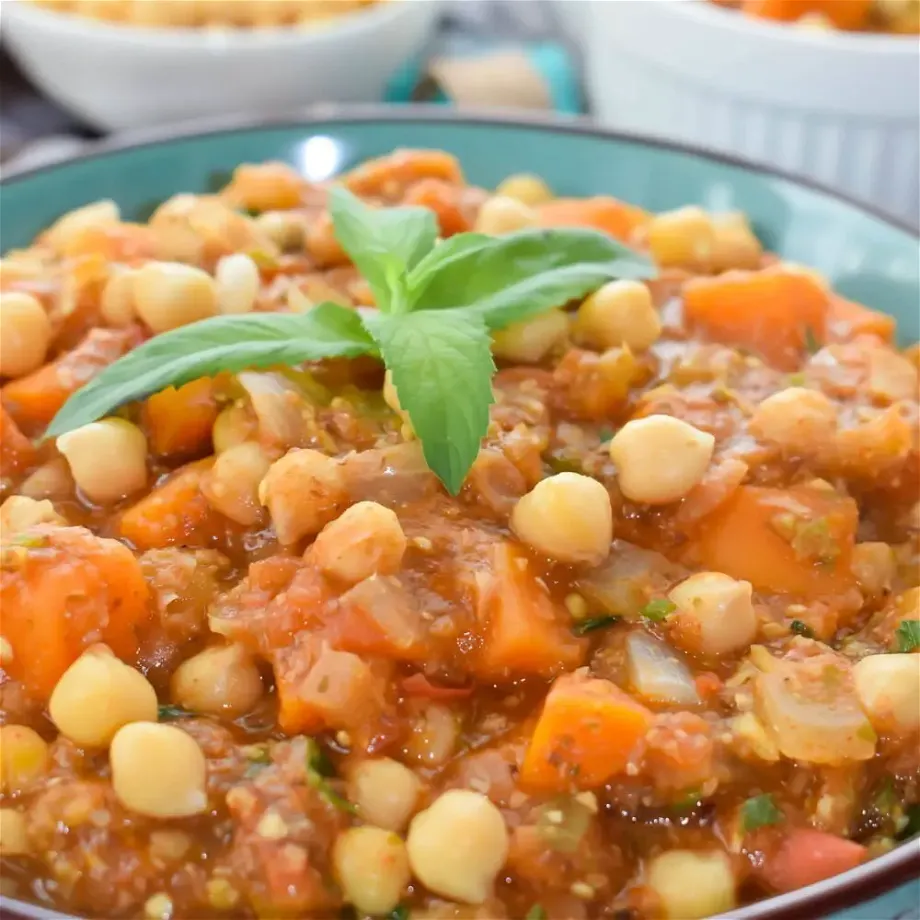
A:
[760,811]
[436,306]
[908,635]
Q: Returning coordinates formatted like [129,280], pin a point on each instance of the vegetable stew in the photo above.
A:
[401,548]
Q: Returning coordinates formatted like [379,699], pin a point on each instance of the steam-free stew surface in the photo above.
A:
[658,658]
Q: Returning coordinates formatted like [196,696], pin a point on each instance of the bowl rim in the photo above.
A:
[335,113]
[867,881]
[828,40]
[211,40]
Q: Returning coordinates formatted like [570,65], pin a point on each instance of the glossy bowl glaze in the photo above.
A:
[868,257]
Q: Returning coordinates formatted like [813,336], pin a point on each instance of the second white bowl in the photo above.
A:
[838,107]
[117,77]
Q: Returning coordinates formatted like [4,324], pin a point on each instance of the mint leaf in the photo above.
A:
[760,811]
[202,349]
[908,635]
[442,370]
[522,274]
[384,243]
[443,255]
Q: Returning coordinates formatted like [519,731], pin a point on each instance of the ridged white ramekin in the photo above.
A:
[841,108]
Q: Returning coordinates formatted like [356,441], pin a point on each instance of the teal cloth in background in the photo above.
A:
[551,60]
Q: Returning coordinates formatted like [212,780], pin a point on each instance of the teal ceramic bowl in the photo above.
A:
[867,257]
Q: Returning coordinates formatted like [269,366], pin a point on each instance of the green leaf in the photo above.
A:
[911,822]
[522,274]
[384,243]
[442,370]
[537,912]
[319,772]
[592,624]
[444,255]
[658,610]
[400,912]
[169,713]
[224,343]
[801,629]
[760,811]
[908,635]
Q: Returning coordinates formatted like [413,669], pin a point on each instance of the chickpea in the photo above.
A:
[117,301]
[170,294]
[372,868]
[221,680]
[385,792]
[232,484]
[692,884]
[660,458]
[619,313]
[874,566]
[19,513]
[74,223]
[23,758]
[303,492]
[458,845]
[500,215]
[366,539]
[735,245]
[158,771]
[796,419]
[232,427]
[529,190]
[14,837]
[237,282]
[683,238]
[567,517]
[108,459]
[97,695]
[714,614]
[888,688]
[530,341]
[25,334]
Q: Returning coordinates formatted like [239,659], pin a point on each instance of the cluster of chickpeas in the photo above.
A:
[185,14]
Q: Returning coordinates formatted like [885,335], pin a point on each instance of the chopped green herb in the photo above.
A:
[796,380]
[319,772]
[801,629]
[437,306]
[908,635]
[812,344]
[760,811]
[658,610]
[911,822]
[400,912]
[605,434]
[564,465]
[537,912]
[688,801]
[167,713]
[592,624]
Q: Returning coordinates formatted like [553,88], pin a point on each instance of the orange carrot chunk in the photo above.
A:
[175,512]
[797,540]
[807,856]
[774,312]
[179,422]
[16,450]
[584,735]
[445,199]
[847,319]
[389,176]
[521,629]
[62,589]
[600,213]
[34,400]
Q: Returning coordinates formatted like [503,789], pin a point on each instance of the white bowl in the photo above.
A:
[840,108]
[117,77]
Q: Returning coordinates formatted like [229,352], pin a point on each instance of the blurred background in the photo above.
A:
[828,89]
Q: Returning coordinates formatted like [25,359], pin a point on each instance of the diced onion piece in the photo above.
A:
[282,412]
[656,673]
[811,710]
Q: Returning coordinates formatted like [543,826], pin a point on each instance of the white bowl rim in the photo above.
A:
[206,39]
[827,40]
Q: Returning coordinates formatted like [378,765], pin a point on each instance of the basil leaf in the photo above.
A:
[202,349]
[442,370]
[384,243]
[523,274]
